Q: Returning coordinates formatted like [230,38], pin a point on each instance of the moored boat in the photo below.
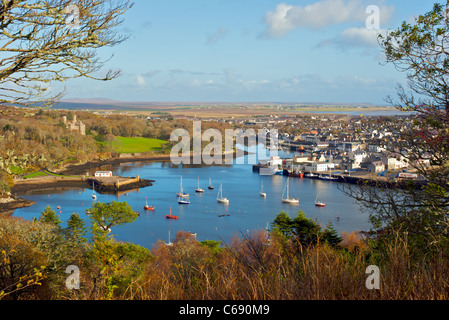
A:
[287,198]
[199,190]
[146,206]
[262,193]
[181,193]
[220,197]
[170,216]
[210,187]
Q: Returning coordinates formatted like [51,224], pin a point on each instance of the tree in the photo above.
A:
[419,49]
[49,216]
[331,236]
[305,229]
[108,215]
[283,224]
[76,228]
[43,41]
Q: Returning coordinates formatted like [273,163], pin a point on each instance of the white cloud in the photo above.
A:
[360,37]
[354,37]
[140,80]
[319,15]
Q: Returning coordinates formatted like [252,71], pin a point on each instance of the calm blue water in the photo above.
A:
[247,210]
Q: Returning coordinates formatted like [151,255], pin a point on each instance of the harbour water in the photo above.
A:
[247,210]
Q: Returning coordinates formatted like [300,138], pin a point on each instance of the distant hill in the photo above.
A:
[110,104]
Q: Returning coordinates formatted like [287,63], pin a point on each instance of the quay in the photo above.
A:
[350,177]
[118,184]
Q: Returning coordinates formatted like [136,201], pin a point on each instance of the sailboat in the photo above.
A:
[183,200]
[169,243]
[319,203]
[147,207]
[182,194]
[94,196]
[329,177]
[199,190]
[287,199]
[220,196]
[170,216]
[210,187]
[262,193]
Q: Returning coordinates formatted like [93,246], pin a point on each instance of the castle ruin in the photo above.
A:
[78,126]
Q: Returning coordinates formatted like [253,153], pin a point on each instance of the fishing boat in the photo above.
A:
[94,196]
[181,193]
[146,206]
[210,187]
[286,196]
[220,198]
[170,216]
[262,193]
[319,203]
[199,190]
[310,175]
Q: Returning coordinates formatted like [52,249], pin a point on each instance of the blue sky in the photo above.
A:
[251,51]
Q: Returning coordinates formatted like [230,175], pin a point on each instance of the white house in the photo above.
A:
[319,166]
[358,156]
[103,174]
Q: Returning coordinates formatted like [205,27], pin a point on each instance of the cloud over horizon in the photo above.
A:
[321,14]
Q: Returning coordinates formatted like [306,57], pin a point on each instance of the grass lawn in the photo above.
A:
[42,174]
[137,145]
[35,175]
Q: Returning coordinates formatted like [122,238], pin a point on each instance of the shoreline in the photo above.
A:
[78,169]
[8,208]
[44,183]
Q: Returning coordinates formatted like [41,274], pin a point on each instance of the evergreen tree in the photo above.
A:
[49,216]
[76,228]
[306,230]
[283,224]
[330,235]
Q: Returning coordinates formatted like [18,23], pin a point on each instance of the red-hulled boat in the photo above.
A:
[319,203]
[170,216]
[147,207]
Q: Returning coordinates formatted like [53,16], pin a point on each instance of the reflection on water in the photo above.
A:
[246,211]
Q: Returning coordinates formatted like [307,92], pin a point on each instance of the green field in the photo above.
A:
[138,145]
[41,173]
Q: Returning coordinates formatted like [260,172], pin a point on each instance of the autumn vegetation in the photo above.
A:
[295,259]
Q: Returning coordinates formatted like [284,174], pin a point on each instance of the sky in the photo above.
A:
[252,51]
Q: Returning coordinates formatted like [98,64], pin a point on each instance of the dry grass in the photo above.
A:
[252,269]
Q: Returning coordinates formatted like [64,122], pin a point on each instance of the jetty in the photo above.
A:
[118,184]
